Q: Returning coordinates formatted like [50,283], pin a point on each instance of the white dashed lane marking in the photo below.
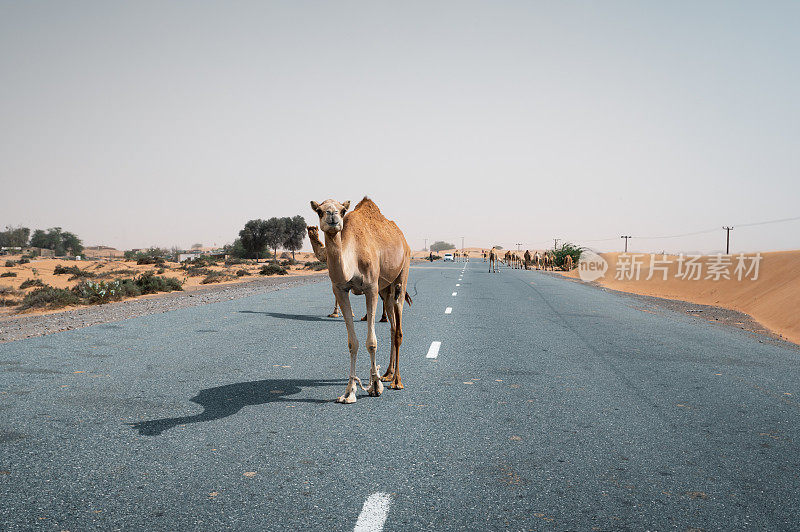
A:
[373,514]
[433,350]
[448,310]
[455,294]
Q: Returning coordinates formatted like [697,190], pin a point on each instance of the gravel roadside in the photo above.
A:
[19,327]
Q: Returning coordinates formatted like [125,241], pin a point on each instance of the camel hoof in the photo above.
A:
[388,377]
[396,385]
[346,399]
[383,320]
[334,315]
[376,388]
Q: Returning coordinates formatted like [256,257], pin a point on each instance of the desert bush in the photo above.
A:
[198,271]
[147,259]
[565,249]
[31,282]
[288,262]
[24,260]
[8,274]
[233,261]
[74,271]
[10,264]
[242,273]
[49,297]
[216,277]
[315,265]
[272,269]
[160,271]
[6,299]
[151,284]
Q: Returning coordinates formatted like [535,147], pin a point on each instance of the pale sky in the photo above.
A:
[169,123]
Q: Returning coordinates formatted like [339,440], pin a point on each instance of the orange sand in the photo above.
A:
[43,270]
[773,299]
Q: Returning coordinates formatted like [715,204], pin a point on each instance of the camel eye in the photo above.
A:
[342,213]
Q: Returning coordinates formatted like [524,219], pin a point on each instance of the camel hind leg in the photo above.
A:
[388,308]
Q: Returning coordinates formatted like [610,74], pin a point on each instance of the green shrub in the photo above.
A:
[148,259]
[24,260]
[49,297]
[315,265]
[8,274]
[272,269]
[160,271]
[31,282]
[10,264]
[151,284]
[232,261]
[216,277]
[565,249]
[198,271]
[242,273]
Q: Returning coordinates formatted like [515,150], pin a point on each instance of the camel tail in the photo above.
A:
[408,298]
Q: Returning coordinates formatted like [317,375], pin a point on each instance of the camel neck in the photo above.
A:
[335,252]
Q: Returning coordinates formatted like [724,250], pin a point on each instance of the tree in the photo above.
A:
[440,246]
[498,247]
[295,233]
[254,237]
[39,239]
[197,246]
[70,242]
[275,233]
[16,237]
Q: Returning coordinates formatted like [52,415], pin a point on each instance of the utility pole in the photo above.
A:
[626,241]
[518,245]
[728,239]
[425,247]
[555,243]
[462,243]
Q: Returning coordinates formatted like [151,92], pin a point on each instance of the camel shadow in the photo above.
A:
[224,401]
[301,317]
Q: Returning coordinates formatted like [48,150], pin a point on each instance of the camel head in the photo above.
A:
[331,214]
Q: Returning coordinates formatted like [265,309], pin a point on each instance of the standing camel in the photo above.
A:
[368,254]
[492,261]
[568,262]
[527,260]
[313,236]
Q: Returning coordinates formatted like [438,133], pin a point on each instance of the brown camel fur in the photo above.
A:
[492,261]
[568,262]
[366,254]
[527,260]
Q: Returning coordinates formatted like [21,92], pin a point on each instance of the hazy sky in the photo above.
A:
[161,123]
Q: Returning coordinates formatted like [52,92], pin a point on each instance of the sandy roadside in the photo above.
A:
[772,297]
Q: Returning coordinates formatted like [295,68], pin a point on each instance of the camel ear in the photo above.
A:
[315,206]
[346,204]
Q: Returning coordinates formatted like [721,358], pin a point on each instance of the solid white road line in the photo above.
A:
[433,350]
[455,294]
[458,284]
[448,310]
[373,514]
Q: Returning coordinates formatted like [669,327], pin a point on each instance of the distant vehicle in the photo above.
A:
[448,256]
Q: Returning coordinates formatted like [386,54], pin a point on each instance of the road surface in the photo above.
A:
[549,405]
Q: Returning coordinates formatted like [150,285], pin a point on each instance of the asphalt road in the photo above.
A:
[551,406]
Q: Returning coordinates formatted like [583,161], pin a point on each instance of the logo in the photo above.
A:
[591,266]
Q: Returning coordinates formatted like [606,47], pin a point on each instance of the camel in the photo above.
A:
[527,260]
[484,255]
[568,262]
[492,261]
[335,313]
[368,254]
[537,260]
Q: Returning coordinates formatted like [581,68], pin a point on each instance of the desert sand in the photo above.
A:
[773,299]
[112,269]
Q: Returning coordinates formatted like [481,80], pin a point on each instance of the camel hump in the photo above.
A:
[367,205]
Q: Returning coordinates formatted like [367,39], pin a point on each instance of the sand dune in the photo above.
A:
[773,299]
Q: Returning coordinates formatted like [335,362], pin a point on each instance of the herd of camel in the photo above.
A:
[368,254]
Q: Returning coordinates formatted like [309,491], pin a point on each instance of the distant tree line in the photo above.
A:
[60,241]
[259,236]
[440,245]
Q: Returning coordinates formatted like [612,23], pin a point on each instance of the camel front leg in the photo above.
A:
[352,343]
[375,385]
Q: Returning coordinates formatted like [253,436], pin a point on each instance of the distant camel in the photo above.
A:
[492,261]
[527,260]
[568,262]
[484,255]
[366,254]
